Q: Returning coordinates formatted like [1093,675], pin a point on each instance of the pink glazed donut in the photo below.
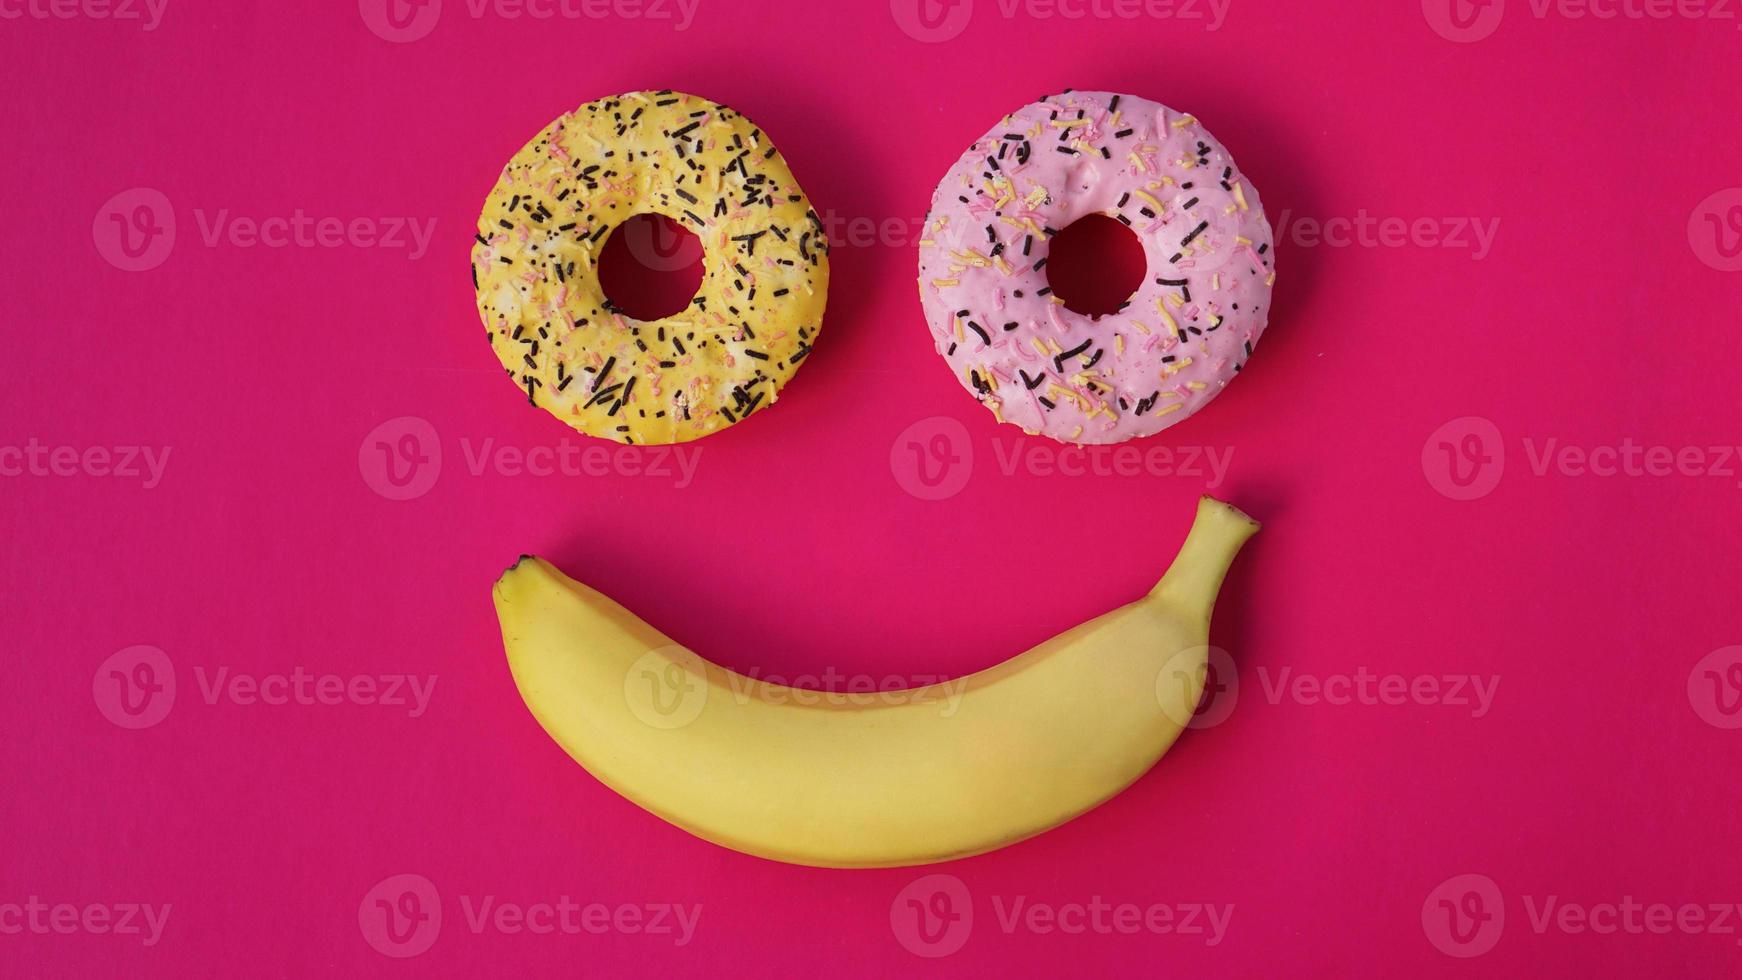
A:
[1173,346]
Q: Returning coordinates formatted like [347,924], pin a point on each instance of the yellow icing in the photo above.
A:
[724,357]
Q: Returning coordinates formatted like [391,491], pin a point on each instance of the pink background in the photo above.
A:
[1598,773]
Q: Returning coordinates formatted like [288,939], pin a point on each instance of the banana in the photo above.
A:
[857,780]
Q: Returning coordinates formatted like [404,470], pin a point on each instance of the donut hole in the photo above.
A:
[1095,265]
[651,267]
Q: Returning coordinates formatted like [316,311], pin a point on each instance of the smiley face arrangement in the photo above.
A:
[839,780]
[765,274]
[1177,342]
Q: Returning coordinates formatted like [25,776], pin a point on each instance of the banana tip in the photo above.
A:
[1232,511]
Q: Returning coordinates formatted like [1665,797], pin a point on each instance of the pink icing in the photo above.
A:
[1209,268]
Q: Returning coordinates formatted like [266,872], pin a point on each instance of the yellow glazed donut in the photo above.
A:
[765,275]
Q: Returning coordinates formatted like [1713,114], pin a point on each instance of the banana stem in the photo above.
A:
[1195,576]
